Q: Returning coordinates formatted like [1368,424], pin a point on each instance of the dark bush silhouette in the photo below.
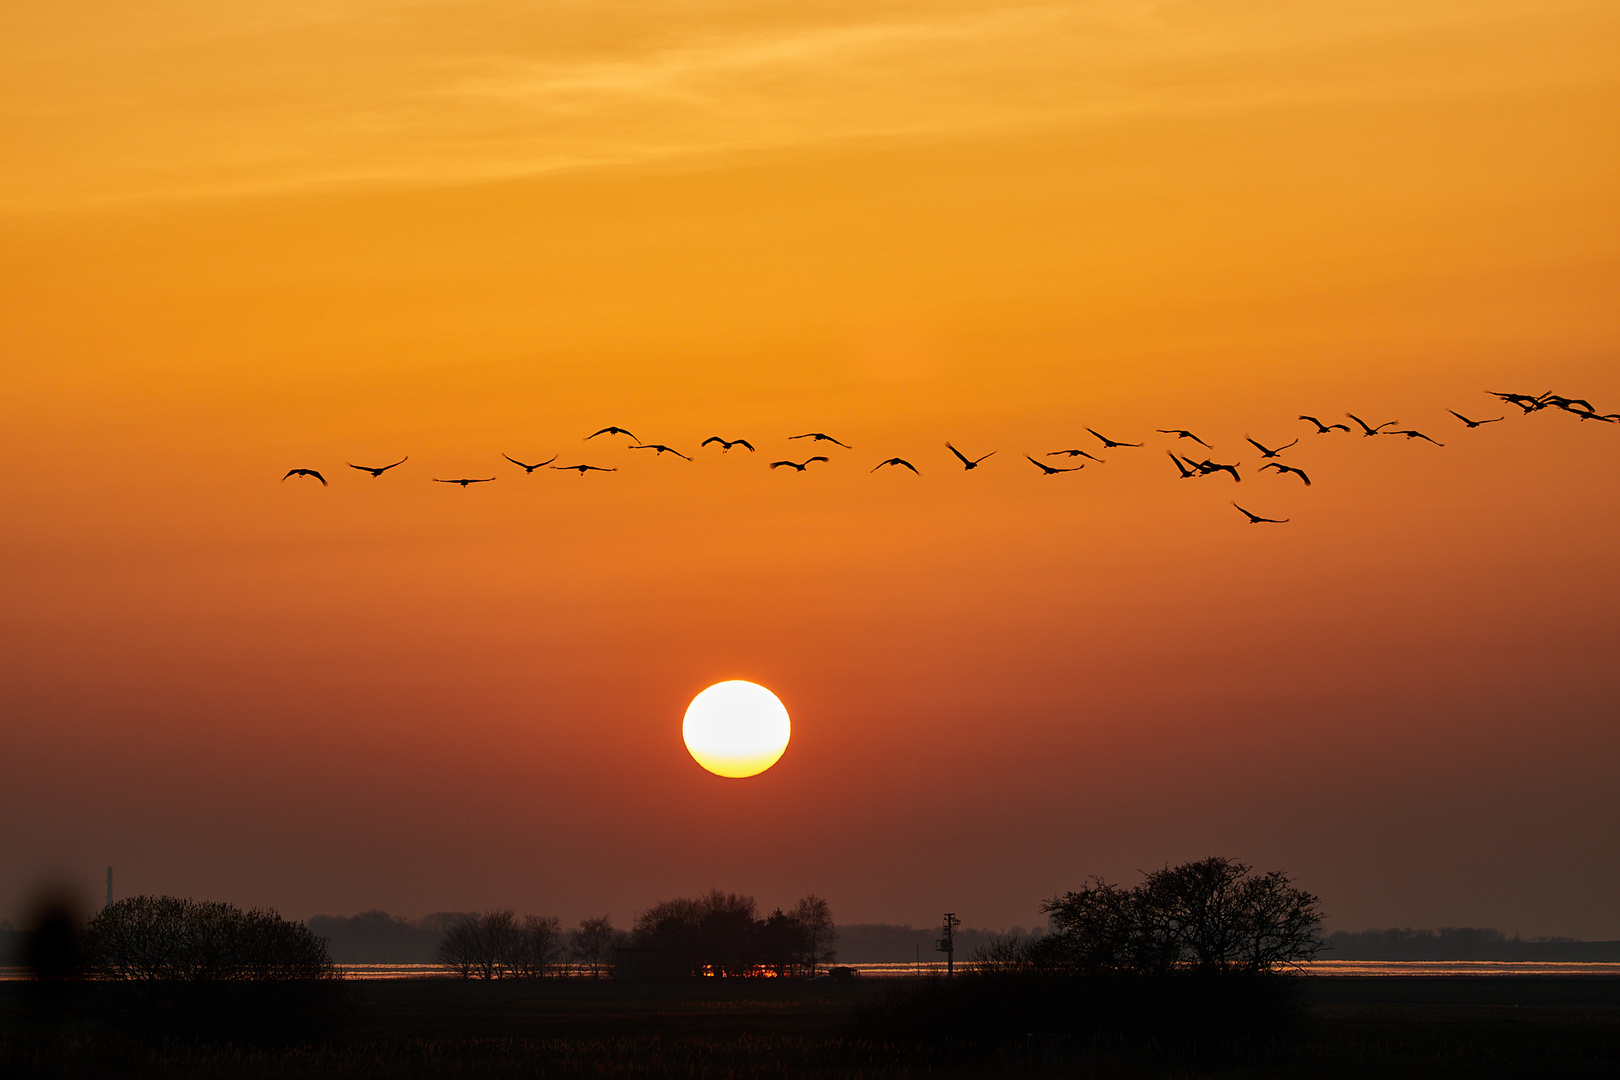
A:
[720,935]
[1188,959]
[1214,915]
[209,969]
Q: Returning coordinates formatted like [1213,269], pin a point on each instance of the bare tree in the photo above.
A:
[481,946]
[536,947]
[814,915]
[593,943]
[498,937]
[458,949]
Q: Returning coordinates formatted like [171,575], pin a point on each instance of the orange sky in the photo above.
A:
[244,238]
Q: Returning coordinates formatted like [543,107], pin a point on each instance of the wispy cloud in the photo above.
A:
[199,101]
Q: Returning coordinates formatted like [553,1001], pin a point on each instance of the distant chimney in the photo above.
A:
[109,886]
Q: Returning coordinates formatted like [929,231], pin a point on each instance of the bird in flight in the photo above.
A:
[1178,433]
[1323,429]
[1264,452]
[1109,444]
[801,466]
[966,462]
[1474,423]
[1256,519]
[661,450]
[526,466]
[1368,430]
[1283,470]
[609,431]
[378,471]
[583,469]
[896,461]
[304,472]
[1076,453]
[1527,402]
[1047,470]
[1574,405]
[1186,468]
[727,444]
[1206,467]
[463,482]
[819,437]
[1414,435]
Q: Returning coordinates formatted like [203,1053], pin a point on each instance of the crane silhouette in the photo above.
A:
[661,450]
[1414,435]
[896,461]
[1573,405]
[1076,453]
[1323,429]
[583,469]
[1048,470]
[1474,423]
[1180,434]
[967,463]
[819,437]
[1187,469]
[464,481]
[1526,402]
[1265,452]
[1206,467]
[1283,470]
[610,431]
[304,472]
[376,471]
[1256,519]
[526,466]
[727,444]
[1109,444]
[1367,429]
[800,466]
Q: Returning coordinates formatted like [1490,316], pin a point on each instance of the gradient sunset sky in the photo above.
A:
[240,238]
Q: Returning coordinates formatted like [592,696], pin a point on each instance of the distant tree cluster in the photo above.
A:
[497,944]
[720,934]
[376,937]
[165,938]
[1215,915]
[1465,943]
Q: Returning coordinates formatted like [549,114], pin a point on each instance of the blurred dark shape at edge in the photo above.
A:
[53,945]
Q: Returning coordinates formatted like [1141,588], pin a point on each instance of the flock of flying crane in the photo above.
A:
[1185,465]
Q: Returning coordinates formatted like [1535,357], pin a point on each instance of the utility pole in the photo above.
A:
[947,944]
[109,886]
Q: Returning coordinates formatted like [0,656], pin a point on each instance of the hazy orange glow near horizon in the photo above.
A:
[245,238]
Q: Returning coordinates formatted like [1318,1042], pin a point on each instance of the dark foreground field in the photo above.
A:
[1348,1027]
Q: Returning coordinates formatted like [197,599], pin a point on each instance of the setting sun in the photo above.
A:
[736,729]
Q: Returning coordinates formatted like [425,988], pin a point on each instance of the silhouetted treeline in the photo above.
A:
[497,944]
[721,935]
[1465,943]
[1189,955]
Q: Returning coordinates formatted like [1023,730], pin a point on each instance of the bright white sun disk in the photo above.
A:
[736,728]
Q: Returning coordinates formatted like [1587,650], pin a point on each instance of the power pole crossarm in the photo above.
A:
[947,943]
